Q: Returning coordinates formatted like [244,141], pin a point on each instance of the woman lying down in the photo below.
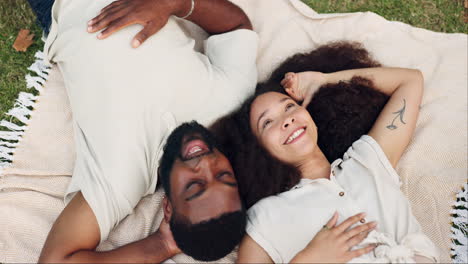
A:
[295,181]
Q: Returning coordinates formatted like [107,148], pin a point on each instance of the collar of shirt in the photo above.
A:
[335,168]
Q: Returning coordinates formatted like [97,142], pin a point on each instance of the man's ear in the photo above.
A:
[167,208]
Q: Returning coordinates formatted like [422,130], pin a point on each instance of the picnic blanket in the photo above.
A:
[38,157]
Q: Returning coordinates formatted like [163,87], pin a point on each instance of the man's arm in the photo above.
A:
[75,236]
[214,16]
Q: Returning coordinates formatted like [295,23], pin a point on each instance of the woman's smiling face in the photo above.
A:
[283,127]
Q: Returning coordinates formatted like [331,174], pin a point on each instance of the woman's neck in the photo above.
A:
[315,166]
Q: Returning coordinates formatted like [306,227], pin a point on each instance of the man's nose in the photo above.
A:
[205,166]
[288,121]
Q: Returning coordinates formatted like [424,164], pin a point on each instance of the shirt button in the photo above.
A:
[362,220]
[341,193]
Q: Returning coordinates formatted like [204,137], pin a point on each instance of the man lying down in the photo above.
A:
[120,132]
[126,101]
[125,104]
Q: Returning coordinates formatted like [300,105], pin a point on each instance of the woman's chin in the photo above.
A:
[297,152]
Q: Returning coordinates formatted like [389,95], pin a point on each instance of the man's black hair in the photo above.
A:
[209,240]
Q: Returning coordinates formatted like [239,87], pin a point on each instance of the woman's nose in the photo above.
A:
[288,121]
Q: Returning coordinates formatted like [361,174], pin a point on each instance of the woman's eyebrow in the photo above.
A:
[266,111]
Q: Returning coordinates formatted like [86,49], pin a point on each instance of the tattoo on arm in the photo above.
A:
[399,114]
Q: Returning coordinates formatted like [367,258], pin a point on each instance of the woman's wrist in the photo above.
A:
[304,256]
[336,77]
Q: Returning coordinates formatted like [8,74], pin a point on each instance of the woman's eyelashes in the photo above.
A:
[289,106]
[266,123]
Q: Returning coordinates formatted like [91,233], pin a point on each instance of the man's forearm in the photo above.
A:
[149,250]
[214,16]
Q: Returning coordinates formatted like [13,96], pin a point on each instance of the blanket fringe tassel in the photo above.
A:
[459,228]
[13,129]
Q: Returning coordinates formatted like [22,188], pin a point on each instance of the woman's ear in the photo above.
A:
[167,208]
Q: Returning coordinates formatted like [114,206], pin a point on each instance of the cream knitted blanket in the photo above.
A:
[433,168]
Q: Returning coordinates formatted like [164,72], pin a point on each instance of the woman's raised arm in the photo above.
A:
[395,125]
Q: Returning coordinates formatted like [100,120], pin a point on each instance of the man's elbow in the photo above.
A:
[245,25]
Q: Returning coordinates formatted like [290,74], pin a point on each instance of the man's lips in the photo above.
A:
[295,135]
[194,148]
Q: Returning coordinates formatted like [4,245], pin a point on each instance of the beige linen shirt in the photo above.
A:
[126,101]
[363,181]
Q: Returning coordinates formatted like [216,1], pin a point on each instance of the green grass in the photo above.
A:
[437,15]
[15,15]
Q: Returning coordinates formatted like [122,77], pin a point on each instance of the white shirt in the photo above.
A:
[126,101]
[364,181]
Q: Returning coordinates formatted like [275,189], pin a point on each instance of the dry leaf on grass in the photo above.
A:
[23,40]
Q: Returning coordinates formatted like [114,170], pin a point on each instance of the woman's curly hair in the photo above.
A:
[342,112]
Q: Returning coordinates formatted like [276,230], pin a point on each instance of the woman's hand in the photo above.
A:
[152,15]
[301,86]
[333,243]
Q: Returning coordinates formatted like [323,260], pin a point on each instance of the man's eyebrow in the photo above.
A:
[264,112]
[230,184]
[195,195]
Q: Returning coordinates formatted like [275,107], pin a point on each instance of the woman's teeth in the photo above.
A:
[295,135]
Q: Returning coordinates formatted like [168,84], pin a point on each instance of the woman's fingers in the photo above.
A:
[360,229]
[355,240]
[359,252]
[307,99]
[349,222]
[332,222]
[287,81]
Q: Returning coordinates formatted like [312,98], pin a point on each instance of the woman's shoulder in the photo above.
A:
[269,205]
[364,146]
[366,153]
[264,204]
[281,202]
